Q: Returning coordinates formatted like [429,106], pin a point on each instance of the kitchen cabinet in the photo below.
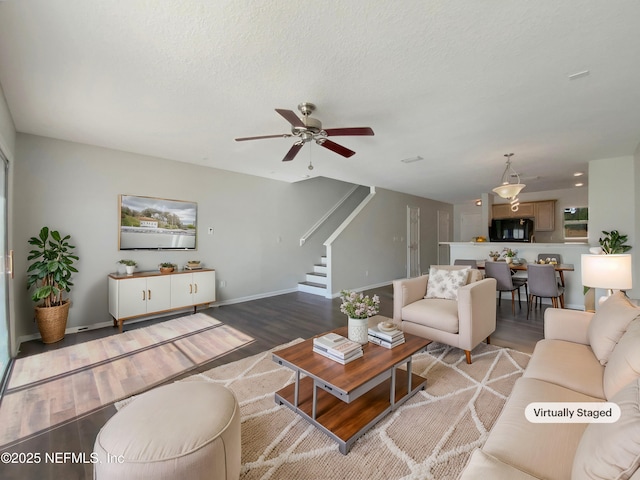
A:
[147,293]
[545,216]
[503,210]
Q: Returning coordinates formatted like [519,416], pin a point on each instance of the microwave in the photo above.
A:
[511,230]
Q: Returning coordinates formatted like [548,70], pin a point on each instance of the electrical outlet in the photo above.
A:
[223,283]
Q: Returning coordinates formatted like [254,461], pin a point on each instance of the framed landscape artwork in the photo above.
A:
[150,223]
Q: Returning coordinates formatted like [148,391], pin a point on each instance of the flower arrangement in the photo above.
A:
[507,252]
[357,305]
[494,254]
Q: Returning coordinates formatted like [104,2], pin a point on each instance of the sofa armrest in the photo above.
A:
[568,325]
[406,291]
[476,312]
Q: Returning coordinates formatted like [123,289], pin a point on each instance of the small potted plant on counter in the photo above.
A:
[167,267]
[509,254]
[130,265]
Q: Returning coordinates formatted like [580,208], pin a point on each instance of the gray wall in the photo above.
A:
[373,249]
[74,188]
[257,222]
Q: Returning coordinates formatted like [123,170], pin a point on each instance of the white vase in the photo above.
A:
[508,259]
[359,330]
[130,269]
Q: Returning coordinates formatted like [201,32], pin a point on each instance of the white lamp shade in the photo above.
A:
[509,190]
[607,271]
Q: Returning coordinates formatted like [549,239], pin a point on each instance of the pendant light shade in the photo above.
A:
[506,189]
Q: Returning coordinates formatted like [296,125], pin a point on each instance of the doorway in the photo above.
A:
[5,271]
[413,241]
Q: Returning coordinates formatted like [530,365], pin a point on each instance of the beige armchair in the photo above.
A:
[461,323]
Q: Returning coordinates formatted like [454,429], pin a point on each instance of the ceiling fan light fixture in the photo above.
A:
[506,189]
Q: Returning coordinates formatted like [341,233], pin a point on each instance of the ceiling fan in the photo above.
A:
[310,129]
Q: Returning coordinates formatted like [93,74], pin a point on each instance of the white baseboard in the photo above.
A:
[361,289]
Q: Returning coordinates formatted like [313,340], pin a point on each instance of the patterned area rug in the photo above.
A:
[429,437]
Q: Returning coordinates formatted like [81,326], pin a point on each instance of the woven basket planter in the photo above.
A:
[52,322]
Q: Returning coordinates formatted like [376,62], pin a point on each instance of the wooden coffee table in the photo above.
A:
[344,401]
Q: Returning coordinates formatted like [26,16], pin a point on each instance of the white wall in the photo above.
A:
[614,185]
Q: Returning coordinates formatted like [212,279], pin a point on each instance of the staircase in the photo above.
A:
[316,281]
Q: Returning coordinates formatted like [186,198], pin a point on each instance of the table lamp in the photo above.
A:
[611,272]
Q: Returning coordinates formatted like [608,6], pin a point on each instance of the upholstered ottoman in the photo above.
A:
[186,430]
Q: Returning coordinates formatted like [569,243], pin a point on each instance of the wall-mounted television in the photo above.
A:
[149,223]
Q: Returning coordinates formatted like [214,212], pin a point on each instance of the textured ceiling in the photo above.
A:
[459,83]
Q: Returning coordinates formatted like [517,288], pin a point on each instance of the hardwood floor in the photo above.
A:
[271,321]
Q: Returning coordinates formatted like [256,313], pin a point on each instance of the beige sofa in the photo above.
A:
[463,322]
[583,358]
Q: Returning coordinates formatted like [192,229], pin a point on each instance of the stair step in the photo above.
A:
[323,260]
[319,278]
[319,268]
[312,287]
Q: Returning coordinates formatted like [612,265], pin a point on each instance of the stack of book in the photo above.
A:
[337,348]
[386,338]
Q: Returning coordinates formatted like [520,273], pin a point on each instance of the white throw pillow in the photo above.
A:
[612,450]
[609,324]
[445,283]
[624,362]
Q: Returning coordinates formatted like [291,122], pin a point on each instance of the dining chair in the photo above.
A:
[462,261]
[505,282]
[543,284]
[558,257]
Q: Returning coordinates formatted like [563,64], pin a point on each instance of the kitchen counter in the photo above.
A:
[569,252]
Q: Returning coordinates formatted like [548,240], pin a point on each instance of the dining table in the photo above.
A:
[559,267]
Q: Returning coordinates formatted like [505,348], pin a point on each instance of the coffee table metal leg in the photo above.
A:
[409,375]
[296,389]
[315,399]
[392,394]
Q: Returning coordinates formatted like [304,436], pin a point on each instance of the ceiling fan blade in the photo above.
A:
[334,132]
[290,117]
[282,135]
[339,149]
[293,151]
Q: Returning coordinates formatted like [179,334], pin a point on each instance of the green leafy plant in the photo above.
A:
[52,268]
[128,263]
[168,265]
[509,252]
[613,242]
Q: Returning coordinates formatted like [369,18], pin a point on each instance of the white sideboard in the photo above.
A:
[147,293]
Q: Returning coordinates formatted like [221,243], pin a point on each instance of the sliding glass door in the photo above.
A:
[5,354]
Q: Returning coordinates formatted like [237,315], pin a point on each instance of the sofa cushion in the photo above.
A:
[624,363]
[540,449]
[612,450]
[434,312]
[445,283]
[485,466]
[609,324]
[567,364]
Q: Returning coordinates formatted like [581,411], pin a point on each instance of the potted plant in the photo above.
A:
[359,308]
[493,255]
[167,267]
[130,265]
[509,254]
[50,274]
[613,243]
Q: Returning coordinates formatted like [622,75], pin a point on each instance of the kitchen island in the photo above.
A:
[528,252]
